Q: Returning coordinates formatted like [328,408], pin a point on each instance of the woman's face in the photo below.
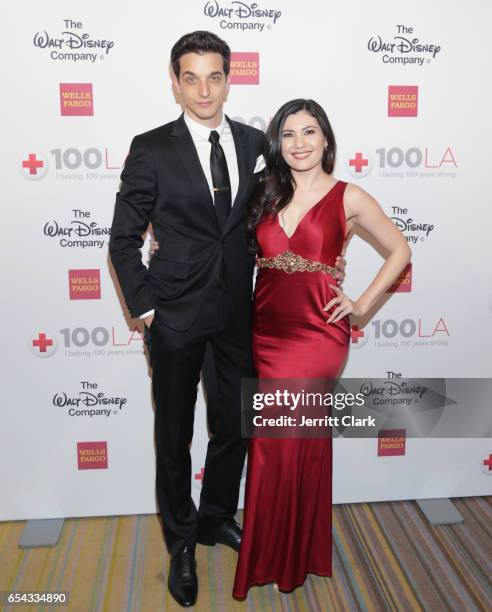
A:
[303,142]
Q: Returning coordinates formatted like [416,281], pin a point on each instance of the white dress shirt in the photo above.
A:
[200,135]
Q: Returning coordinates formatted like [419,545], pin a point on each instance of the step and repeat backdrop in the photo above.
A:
[406,87]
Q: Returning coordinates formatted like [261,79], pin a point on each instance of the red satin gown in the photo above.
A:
[288,502]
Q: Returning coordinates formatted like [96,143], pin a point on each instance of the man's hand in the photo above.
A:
[154,245]
[340,264]
[148,320]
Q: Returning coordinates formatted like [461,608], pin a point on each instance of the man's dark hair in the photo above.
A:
[200,42]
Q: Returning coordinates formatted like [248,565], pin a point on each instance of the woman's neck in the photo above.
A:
[310,180]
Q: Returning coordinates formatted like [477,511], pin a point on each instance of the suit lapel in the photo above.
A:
[186,152]
[241,143]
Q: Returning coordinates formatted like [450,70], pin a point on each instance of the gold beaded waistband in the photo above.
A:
[290,262]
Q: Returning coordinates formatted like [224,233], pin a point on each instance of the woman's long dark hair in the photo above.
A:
[276,186]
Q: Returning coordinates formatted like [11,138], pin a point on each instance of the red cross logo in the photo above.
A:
[199,475]
[356,333]
[42,344]
[488,463]
[358,162]
[358,337]
[34,167]
[32,163]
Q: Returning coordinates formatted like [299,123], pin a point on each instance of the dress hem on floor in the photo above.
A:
[281,588]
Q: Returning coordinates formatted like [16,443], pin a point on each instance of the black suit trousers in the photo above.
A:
[177,358]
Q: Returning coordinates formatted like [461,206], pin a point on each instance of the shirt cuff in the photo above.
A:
[146,314]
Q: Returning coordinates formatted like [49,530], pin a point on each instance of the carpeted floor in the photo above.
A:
[386,556]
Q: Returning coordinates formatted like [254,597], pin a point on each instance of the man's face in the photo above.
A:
[203,86]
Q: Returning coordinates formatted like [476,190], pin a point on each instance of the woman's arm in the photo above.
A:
[363,210]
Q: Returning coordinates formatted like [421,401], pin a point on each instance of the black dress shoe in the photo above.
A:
[229,533]
[183,581]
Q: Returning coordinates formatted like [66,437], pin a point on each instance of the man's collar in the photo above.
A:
[202,130]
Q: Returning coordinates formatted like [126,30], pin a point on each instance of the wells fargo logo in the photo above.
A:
[245,68]
[403,284]
[391,442]
[76,99]
[92,455]
[84,284]
[403,100]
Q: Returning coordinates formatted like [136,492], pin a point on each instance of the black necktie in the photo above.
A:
[220,180]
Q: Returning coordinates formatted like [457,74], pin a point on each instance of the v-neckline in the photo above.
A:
[305,214]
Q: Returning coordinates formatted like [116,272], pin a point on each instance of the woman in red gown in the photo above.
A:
[301,329]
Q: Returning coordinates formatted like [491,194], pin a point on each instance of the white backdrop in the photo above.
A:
[61,173]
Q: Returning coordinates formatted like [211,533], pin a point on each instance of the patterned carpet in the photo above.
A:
[385,557]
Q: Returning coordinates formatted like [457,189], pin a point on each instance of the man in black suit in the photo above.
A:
[192,179]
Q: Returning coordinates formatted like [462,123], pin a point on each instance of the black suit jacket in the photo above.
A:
[163,183]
